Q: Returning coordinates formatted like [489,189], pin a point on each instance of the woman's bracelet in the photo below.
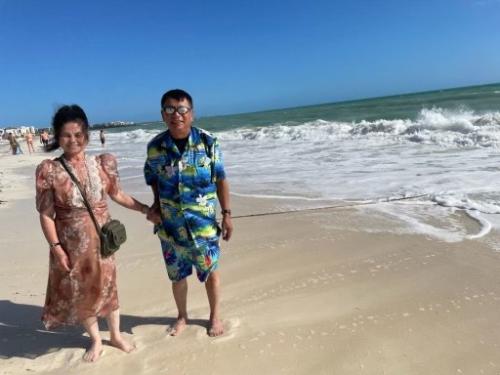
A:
[54,245]
[225,211]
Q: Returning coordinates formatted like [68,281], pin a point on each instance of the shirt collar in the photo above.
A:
[169,145]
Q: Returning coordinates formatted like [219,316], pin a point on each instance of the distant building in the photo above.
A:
[17,131]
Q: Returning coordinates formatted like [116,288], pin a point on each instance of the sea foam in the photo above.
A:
[449,158]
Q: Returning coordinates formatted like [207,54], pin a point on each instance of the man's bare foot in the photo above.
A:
[120,343]
[178,327]
[93,353]
[215,328]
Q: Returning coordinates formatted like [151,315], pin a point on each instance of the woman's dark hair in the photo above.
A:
[65,114]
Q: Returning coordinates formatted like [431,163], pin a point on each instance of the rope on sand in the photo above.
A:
[372,202]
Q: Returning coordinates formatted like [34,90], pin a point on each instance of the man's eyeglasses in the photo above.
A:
[181,110]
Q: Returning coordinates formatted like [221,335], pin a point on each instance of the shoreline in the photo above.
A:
[302,293]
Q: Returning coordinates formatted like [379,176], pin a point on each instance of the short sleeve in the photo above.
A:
[44,181]
[149,171]
[110,168]
[220,173]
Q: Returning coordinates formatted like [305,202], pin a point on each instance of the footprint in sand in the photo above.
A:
[230,329]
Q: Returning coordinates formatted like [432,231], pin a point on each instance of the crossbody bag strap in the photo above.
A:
[77,183]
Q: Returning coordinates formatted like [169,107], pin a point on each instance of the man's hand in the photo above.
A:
[227,227]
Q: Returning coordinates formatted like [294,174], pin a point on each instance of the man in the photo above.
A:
[44,138]
[14,145]
[185,171]
[102,137]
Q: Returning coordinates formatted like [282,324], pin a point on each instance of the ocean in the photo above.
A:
[439,150]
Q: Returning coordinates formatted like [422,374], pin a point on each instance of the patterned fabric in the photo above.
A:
[90,288]
[189,233]
[180,257]
[186,186]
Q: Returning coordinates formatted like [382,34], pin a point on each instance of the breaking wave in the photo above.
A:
[460,128]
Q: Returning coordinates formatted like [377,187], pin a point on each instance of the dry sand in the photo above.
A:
[303,293]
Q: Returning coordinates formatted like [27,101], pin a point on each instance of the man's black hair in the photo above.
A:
[176,94]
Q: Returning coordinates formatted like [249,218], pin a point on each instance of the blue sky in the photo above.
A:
[116,58]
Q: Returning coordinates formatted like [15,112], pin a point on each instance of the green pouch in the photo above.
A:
[112,235]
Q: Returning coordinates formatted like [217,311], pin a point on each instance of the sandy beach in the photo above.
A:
[303,293]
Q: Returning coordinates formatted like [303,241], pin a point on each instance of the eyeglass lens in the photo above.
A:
[182,110]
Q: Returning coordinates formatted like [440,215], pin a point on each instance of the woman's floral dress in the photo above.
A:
[90,288]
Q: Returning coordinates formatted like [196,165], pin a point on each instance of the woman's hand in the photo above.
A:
[62,259]
[49,230]
[153,214]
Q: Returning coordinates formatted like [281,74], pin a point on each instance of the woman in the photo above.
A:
[29,142]
[82,284]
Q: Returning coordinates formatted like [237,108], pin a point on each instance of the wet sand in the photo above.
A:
[302,293]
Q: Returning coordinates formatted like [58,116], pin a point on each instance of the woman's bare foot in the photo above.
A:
[94,352]
[120,343]
[178,327]
[215,328]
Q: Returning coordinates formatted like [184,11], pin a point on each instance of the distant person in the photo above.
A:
[44,138]
[185,171]
[29,142]
[102,137]
[14,145]
[82,284]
